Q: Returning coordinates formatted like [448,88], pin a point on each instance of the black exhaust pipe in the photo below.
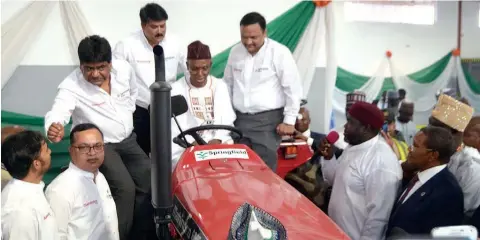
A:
[161,144]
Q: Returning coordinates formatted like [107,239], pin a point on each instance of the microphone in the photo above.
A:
[331,138]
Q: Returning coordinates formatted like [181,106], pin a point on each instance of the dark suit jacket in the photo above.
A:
[438,202]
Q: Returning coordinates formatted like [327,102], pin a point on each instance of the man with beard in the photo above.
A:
[80,196]
[367,167]
[264,84]
[207,98]
[103,92]
[26,213]
[137,49]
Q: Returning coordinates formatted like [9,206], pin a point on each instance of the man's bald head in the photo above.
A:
[471,136]
[11,130]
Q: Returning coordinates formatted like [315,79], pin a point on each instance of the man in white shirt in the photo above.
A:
[433,197]
[103,92]
[137,49]
[366,168]
[26,213]
[265,87]
[207,98]
[80,196]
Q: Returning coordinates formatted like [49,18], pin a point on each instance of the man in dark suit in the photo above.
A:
[433,197]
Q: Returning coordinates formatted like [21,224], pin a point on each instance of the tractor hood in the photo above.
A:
[211,183]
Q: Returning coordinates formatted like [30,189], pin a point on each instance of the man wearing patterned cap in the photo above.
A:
[454,115]
[207,98]
[367,167]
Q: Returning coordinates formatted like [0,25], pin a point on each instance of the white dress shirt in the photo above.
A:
[207,105]
[26,214]
[83,205]
[358,176]
[88,103]
[423,177]
[139,53]
[266,81]
[465,166]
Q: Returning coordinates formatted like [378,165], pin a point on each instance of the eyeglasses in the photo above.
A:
[86,149]
[412,148]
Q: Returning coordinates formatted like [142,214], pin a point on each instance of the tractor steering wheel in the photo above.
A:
[200,141]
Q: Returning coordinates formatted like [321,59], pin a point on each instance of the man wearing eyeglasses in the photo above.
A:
[103,92]
[80,196]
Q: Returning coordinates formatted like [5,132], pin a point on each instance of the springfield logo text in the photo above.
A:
[221,154]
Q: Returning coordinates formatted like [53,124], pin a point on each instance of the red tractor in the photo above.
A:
[222,191]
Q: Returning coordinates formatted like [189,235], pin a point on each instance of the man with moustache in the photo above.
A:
[207,98]
[103,92]
[80,196]
[26,213]
[264,84]
[137,49]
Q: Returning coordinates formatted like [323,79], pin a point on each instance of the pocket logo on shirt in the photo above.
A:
[237,69]
[169,58]
[262,69]
[143,61]
[124,94]
[90,203]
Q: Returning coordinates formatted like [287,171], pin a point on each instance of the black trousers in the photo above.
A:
[127,170]
[141,126]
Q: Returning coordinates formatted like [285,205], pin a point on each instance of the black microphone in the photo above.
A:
[179,107]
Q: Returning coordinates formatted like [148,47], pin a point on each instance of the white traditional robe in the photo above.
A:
[210,104]
[465,166]
[365,181]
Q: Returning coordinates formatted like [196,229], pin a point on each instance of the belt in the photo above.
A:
[257,113]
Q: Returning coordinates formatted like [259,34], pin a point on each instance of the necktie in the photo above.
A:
[409,187]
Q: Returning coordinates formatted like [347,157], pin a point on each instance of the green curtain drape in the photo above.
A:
[471,81]
[348,81]
[60,156]
[287,29]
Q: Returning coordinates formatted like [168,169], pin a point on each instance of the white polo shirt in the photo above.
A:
[88,103]
[136,50]
[26,213]
[266,81]
[84,209]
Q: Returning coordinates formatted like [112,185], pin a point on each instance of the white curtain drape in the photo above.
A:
[465,90]
[20,32]
[308,48]
[318,42]
[423,94]
[75,24]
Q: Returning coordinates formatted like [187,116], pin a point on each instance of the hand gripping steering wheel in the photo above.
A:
[194,133]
